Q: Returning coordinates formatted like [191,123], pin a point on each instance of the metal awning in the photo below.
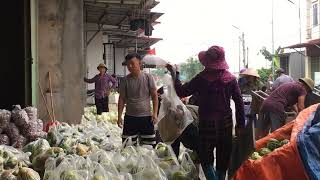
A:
[139,42]
[315,42]
[119,12]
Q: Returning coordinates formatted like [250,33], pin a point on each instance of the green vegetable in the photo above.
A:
[283,142]
[255,156]
[11,162]
[264,151]
[68,175]
[273,144]
[179,175]
[28,174]
[162,151]
[98,177]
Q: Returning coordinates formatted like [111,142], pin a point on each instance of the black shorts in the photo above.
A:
[139,128]
[102,105]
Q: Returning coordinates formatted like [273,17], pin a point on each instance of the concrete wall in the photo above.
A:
[61,52]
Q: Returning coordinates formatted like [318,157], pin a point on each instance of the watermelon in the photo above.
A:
[273,144]
[264,151]
[285,141]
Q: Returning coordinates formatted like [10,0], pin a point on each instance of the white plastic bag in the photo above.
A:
[173,116]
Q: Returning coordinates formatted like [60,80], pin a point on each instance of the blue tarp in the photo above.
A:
[308,142]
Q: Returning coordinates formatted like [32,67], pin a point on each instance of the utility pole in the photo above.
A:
[247,57]
[243,50]
[272,24]
[239,53]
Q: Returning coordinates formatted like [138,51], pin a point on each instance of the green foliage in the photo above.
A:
[190,68]
[267,55]
[264,74]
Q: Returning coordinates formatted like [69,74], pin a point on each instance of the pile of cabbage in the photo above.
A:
[15,165]
[20,126]
[127,162]
[90,113]
[272,145]
[93,150]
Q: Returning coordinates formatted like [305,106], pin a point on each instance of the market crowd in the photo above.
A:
[209,94]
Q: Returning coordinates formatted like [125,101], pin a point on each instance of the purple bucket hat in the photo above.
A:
[213,58]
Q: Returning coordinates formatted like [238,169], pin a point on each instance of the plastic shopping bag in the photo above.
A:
[173,116]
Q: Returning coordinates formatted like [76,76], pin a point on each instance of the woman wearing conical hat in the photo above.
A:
[250,81]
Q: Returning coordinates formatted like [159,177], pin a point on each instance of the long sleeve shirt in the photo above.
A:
[103,84]
[214,96]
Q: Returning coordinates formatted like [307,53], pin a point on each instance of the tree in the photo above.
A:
[190,68]
[268,55]
[264,74]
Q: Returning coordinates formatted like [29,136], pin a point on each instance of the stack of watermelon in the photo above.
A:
[272,145]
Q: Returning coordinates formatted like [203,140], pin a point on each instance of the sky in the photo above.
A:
[189,26]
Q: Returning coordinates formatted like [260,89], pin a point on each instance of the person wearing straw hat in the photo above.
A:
[282,79]
[272,112]
[251,81]
[215,86]
[103,84]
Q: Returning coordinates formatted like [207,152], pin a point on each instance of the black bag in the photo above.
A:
[242,148]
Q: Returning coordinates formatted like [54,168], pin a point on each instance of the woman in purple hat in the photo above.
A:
[215,86]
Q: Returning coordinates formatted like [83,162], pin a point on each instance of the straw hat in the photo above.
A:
[309,82]
[251,72]
[213,58]
[102,65]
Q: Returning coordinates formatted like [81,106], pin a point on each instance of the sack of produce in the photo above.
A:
[173,116]
[32,113]
[150,170]
[28,174]
[20,142]
[8,175]
[188,166]
[13,132]
[5,117]
[19,117]
[39,125]
[4,139]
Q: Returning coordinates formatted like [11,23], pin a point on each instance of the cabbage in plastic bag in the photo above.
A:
[13,132]
[4,139]
[8,175]
[28,174]
[5,117]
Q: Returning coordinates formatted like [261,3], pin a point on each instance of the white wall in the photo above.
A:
[94,52]
[120,55]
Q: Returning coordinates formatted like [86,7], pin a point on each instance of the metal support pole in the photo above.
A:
[239,53]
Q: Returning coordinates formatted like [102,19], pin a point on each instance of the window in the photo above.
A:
[315,67]
[284,63]
[315,14]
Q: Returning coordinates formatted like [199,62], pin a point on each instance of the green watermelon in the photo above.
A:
[255,156]
[285,141]
[264,151]
[273,144]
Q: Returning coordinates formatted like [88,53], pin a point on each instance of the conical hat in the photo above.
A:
[251,72]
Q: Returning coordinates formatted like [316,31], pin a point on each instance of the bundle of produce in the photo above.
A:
[20,126]
[90,113]
[14,165]
[91,133]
